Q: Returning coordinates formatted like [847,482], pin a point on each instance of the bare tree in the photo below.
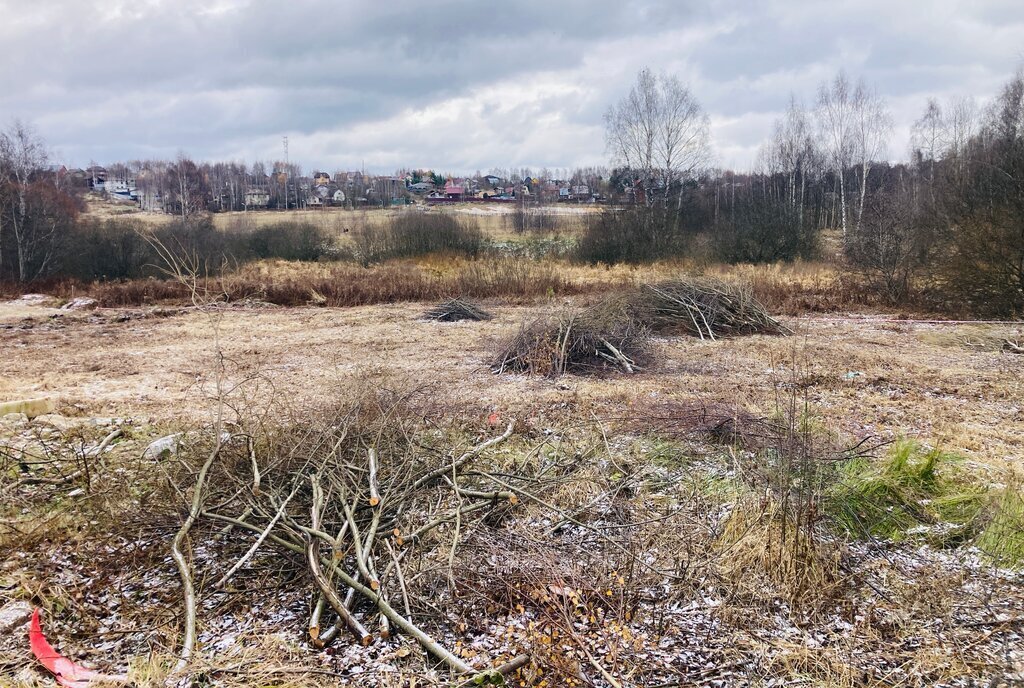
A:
[660,132]
[792,151]
[835,124]
[960,125]
[927,135]
[187,186]
[871,126]
[854,125]
[30,212]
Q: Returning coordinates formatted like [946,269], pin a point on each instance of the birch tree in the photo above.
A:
[928,133]
[22,155]
[871,126]
[660,132]
[793,151]
[854,125]
[835,124]
[960,125]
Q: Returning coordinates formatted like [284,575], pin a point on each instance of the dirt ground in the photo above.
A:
[949,385]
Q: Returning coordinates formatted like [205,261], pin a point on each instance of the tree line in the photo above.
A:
[946,226]
[943,226]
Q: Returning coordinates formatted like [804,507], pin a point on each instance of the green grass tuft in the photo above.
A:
[1003,536]
[913,493]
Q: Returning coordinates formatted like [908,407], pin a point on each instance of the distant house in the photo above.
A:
[321,179]
[453,192]
[257,198]
[338,197]
[97,175]
[120,189]
[493,180]
[314,201]
[421,187]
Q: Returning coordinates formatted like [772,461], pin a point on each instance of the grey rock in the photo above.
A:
[82,303]
[14,614]
[163,447]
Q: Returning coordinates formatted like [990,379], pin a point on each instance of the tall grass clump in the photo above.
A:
[1003,537]
[773,541]
[913,492]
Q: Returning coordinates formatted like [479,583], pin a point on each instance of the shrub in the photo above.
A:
[288,241]
[114,249]
[638,235]
[767,231]
[891,246]
[414,234]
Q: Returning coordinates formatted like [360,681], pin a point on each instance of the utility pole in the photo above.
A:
[286,173]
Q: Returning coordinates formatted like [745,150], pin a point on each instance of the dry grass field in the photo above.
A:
[947,384]
[671,566]
[837,505]
[494,220]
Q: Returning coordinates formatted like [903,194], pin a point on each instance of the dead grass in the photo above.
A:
[761,544]
[672,465]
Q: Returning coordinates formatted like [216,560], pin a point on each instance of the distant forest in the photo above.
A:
[946,223]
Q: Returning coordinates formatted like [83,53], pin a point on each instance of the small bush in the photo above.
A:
[892,246]
[413,234]
[639,235]
[767,231]
[288,241]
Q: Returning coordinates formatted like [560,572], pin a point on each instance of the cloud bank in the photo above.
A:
[462,86]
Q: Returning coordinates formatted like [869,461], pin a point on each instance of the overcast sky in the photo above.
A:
[461,86]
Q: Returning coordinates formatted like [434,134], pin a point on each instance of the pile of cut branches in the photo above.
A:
[454,310]
[598,339]
[351,502]
[705,421]
[703,308]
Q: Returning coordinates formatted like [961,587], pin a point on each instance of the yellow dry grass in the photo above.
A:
[494,220]
[861,376]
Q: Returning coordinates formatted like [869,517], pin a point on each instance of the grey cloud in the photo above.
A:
[352,81]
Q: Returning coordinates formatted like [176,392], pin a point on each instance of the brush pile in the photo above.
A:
[454,310]
[598,339]
[703,308]
[355,506]
[710,422]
